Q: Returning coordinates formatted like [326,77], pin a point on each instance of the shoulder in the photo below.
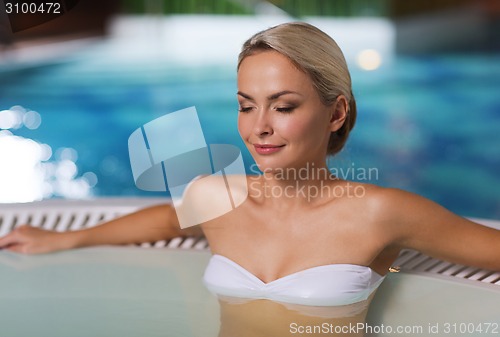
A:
[412,221]
[208,197]
[387,200]
[383,201]
[209,187]
[408,219]
[370,197]
[384,208]
[398,207]
[391,208]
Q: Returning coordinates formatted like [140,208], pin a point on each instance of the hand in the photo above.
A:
[31,240]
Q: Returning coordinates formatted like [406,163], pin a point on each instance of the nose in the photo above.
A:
[263,126]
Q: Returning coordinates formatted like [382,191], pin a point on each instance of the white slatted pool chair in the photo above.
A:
[63,215]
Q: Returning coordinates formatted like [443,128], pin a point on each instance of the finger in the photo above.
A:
[16,248]
[8,240]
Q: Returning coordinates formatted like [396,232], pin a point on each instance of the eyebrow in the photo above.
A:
[270,97]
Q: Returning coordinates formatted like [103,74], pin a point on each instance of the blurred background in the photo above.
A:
[74,86]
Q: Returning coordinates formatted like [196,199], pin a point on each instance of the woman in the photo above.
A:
[296,108]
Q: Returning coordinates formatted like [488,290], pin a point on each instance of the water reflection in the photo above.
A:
[27,172]
[257,318]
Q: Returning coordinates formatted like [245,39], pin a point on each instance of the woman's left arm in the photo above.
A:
[421,224]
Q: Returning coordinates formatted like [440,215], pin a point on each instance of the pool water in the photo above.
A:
[426,124]
[130,291]
[107,292]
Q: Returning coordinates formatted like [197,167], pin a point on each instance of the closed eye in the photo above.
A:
[244,109]
[287,109]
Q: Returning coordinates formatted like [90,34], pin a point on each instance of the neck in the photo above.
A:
[308,184]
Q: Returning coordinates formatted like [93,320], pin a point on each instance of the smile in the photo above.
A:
[267,148]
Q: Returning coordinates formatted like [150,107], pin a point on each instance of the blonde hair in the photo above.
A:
[318,55]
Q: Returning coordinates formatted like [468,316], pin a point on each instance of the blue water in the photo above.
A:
[430,125]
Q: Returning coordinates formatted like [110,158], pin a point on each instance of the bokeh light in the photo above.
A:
[369,59]
[27,172]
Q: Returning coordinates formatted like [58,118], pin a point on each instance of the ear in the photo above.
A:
[339,111]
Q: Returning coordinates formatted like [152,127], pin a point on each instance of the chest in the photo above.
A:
[272,245]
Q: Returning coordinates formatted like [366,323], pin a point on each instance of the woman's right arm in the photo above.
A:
[147,225]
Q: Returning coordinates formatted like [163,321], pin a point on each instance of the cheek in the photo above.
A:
[296,128]
[242,126]
[289,128]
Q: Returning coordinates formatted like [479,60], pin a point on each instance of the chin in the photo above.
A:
[273,165]
[265,165]
[276,162]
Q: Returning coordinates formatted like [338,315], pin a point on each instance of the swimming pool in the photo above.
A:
[117,291]
[426,124]
[130,291]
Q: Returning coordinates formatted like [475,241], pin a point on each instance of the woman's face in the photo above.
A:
[281,118]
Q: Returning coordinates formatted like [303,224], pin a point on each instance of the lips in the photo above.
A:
[267,148]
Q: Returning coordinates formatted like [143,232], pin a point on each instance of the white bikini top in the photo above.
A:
[327,285]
